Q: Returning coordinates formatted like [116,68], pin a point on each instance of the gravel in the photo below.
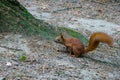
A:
[44,62]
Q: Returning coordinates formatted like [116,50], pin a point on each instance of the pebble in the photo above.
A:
[2,78]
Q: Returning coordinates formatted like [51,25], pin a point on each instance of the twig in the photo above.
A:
[66,9]
[11,48]
[98,2]
[104,3]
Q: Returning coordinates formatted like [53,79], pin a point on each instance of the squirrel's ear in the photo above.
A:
[62,36]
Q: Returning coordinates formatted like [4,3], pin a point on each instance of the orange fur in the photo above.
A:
[76,47]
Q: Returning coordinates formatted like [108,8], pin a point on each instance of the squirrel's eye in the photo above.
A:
[58,40]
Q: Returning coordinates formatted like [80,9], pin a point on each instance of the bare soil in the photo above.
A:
[44,62]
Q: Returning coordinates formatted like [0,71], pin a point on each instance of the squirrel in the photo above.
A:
[76,47]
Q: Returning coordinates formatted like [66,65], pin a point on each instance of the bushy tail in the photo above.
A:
[96,38]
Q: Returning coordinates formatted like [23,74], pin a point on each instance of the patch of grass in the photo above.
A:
[23,58]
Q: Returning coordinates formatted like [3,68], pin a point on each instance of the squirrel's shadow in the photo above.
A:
[100,61]
[92,59]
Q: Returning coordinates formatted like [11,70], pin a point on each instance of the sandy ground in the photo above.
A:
[44,62]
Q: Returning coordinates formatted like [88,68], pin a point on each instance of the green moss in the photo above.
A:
[15,18]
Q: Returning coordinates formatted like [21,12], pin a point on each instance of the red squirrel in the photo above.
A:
[76,47]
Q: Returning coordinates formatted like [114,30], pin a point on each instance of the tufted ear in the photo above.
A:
[62,36]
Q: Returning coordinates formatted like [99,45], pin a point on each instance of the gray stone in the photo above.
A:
[2,78]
